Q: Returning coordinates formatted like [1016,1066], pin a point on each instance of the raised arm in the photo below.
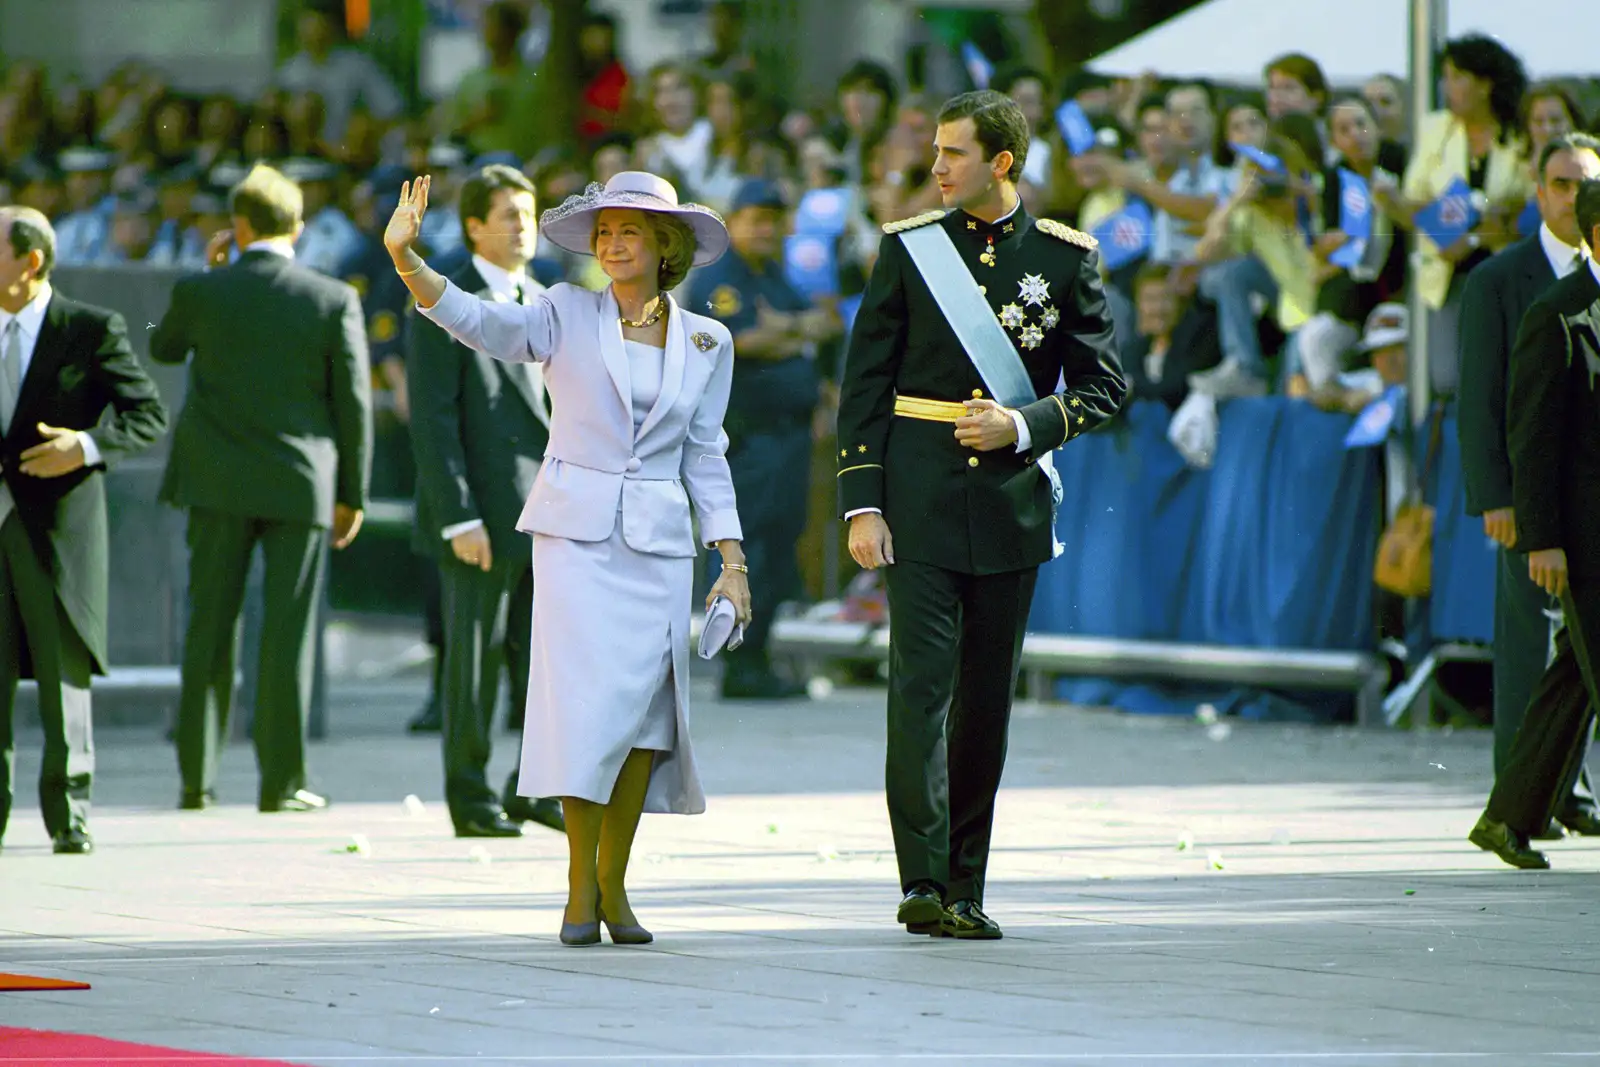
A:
[510,332]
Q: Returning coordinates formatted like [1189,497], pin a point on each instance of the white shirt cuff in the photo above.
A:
[862,511]
[450,533]
[1024,438]
[91,451]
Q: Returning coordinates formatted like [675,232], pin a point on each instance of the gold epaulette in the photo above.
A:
[914,221]
[1062,232]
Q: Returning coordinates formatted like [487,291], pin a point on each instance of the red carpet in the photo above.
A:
[21,983]
[41,1048]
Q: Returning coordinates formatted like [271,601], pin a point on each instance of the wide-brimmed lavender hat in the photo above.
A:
[570,224]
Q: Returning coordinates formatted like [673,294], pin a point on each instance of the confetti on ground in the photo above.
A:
[359,845]
[415,807]
[1412,893]
[1185,841]
[1219,731]
[1205,714]
[479,854]
[1214,860]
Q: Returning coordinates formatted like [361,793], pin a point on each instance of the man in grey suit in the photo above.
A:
[479,429]
[63,365]
[274,445]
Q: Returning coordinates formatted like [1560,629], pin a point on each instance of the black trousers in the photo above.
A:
[488,618]
[33,625]
[955,644]
[1553,741]
[772,478]
[220,546]
[1521,649]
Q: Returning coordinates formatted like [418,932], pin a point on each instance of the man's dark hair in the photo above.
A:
[27,235]
[1000,125]
[1567,142]
[268,201]
[1589,208]
[477,193]
[873,76]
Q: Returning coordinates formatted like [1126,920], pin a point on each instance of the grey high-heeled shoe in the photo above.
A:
[633,934]
[576,935]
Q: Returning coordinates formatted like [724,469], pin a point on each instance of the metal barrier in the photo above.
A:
[1364,674]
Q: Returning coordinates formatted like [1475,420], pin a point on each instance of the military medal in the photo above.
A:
[987,258]
[1035,290]
[1050,317]
[1031,336]
[1011,317]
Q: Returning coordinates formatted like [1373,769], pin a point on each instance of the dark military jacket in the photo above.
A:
[946,504]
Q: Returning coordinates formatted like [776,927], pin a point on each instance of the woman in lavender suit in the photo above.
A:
[638,388]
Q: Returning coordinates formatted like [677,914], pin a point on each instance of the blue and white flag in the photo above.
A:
[1268,162]
[1449,218]
[811,265]
[823,212]
[1355,219]
[1372,426]
[1076,129]
[1124,236]
[979,69]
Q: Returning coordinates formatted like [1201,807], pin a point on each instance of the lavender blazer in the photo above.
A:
[596,468]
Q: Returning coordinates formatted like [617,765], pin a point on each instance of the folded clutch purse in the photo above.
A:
[720,630]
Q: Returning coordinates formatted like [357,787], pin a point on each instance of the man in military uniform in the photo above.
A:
[948,488]
[775,393]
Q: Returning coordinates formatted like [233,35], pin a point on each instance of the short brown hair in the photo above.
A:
[1303,69]
[1000,125]
[28,231]
[476,198]
[268,200]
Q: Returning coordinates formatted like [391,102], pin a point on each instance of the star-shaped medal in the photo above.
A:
[1050,317]
[1031,337]
[1035,290]
[1011,316]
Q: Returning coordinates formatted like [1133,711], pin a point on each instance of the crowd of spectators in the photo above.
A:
[1219,209]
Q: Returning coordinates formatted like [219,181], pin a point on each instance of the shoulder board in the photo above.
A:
[913,222]
[1062,232]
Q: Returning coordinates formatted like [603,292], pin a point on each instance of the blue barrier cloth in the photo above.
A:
[1272,547]
[1461,607]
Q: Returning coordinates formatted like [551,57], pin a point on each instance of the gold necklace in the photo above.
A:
[649,320]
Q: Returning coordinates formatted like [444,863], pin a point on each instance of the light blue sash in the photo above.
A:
[979,331]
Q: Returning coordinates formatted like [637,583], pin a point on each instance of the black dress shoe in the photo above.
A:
[494,824]
[74,842]
[430,720]
[1508,844]
[965,920]
[546,811]
[299,800]
[196,800]
[1552,832]
[1583,823]
[922,909]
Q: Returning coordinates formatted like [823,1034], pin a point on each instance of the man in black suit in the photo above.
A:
[926,454]
[1496,297]
[1553,435]
[478,430]
[62,365]
[274,445]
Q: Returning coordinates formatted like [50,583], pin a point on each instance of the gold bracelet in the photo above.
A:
[740,567]
[409,273]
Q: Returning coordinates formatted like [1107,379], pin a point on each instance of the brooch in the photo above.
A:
[704,341]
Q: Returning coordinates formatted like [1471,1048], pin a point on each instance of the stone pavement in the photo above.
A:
[1279,895]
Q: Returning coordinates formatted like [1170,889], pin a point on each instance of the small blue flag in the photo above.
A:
[1265,160]
[823,212]
[1355,219]
[1124,236]
[979,69]
[1076,129]
[1449,218]
[811,265]
[1372,426]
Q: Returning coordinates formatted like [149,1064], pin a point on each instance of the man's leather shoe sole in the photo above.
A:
[72,843]
[920,909]
[498,826]
[1500,839]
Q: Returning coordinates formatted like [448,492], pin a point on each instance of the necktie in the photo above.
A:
[532,370]
[10,374]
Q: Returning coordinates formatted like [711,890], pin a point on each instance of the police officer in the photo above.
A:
[775,393]
[943,485]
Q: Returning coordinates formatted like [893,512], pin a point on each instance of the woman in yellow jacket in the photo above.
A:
[1478,139]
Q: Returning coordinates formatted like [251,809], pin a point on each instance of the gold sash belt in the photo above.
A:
[912,407]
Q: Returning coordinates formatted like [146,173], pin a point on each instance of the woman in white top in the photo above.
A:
[638,389]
